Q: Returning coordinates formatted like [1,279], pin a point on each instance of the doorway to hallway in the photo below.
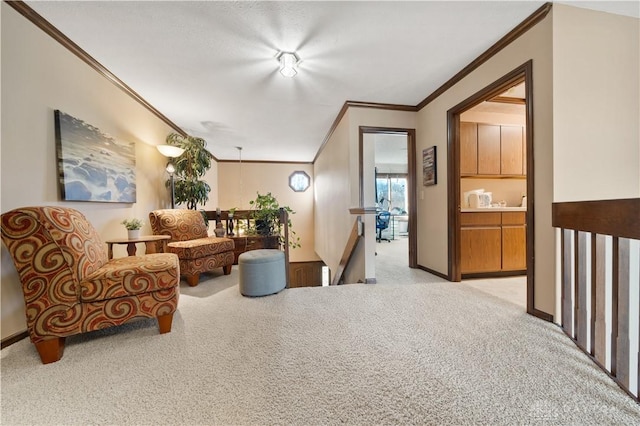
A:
[387,184]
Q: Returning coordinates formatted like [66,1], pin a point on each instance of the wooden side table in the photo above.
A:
[149,240]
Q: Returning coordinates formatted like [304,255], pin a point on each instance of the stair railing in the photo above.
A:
[600,249]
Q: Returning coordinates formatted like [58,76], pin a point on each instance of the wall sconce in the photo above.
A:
[288,63]
[171,152]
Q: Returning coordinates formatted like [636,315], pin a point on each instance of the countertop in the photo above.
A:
[493,209]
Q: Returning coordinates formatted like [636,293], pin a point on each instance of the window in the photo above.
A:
[299,181]
[392,193]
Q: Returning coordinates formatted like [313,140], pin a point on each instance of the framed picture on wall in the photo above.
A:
[429,166]
[92,165]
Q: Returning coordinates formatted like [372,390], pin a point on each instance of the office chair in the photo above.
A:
[382,223]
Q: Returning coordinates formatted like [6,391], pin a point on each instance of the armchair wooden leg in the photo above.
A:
[227,269]
[50,350]
[164,323]
[192,280]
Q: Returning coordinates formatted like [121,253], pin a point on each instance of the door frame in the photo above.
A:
[411,180]
[522,73]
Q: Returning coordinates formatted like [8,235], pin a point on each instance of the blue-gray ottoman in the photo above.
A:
[262,272]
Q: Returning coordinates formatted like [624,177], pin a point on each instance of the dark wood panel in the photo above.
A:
[619,218]
[305,274]
[488,149]
[468,148]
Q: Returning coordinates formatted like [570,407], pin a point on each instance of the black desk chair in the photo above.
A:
[382,223]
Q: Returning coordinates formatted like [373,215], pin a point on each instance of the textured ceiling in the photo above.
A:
[210,67]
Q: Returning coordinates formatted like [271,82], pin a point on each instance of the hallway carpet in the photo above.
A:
[428,353]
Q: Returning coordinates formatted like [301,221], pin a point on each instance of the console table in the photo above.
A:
[254,242]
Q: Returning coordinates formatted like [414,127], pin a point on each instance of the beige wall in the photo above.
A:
[332,196]
[432,130]
[39,76]
[596,105]
[239,185]
[337,171]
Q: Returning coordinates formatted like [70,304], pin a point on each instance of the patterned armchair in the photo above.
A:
[197,251]
[70,286]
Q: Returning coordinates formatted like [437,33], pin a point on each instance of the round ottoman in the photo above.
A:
[262,272]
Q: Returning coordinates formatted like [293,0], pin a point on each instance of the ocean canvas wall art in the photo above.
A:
[92,165]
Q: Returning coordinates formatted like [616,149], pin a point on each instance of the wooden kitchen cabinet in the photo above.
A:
[492,150]
[514,241]
[488,149]
[511,147]
[514,248]
[468,148]
[492,242]
[480,242]
[480,249]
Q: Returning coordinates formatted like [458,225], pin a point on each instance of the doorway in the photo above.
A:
[390,187]
[522,74]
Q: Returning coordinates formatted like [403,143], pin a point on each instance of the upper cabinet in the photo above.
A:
[468,148]
[492,150]
[511,149]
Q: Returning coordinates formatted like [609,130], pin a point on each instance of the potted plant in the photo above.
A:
[265,212]
[190,167]
[133,227]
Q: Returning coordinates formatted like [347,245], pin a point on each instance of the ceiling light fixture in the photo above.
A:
[288,63]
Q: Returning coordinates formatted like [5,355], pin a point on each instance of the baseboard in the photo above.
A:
[432,272]
[14,338]
[498,274]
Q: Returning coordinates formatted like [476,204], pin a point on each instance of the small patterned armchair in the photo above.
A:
[70,286]
[197,251]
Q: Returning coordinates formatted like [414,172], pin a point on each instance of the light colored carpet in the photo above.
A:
[427,353]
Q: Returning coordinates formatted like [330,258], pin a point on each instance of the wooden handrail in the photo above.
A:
[618,218]
[352,243]
[596,245]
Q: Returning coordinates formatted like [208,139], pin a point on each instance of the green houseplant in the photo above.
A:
[265,212]
[190,167]
[132,224]
[133,227]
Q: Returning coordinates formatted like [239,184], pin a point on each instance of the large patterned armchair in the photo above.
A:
[197,251]
[70,286]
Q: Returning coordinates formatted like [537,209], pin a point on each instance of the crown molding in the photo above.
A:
[23,9]
[512,35]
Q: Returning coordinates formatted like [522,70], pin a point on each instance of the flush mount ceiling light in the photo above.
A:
[288,63]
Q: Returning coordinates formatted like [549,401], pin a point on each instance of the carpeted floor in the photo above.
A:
[394,353]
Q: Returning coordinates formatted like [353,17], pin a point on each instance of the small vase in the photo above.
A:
[133,234]
[219,230]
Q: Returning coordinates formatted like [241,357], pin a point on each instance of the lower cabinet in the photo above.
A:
[514,248]
[480,249]
[493,242]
